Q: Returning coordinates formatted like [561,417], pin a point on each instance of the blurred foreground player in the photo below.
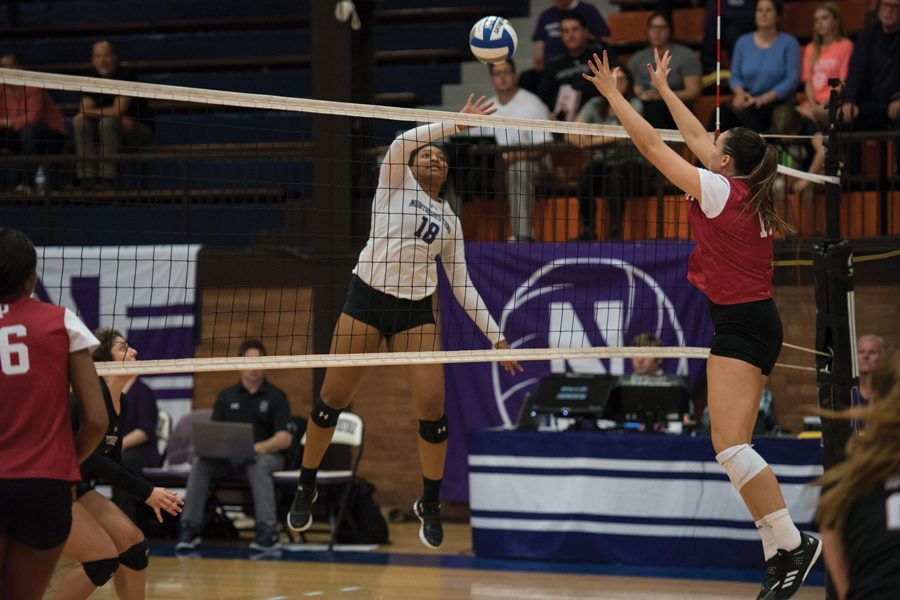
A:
[859,511]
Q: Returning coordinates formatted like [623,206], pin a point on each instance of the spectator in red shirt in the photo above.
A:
[43,350]
[30,124]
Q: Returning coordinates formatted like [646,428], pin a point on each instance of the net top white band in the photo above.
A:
[307,105]
[380,359]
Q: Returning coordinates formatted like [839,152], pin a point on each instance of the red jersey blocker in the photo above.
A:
[732,265]
[38,463]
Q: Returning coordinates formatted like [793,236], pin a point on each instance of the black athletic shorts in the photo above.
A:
[388,314]
[36,512]
[750,332]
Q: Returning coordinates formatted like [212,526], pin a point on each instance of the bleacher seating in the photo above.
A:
[418,49]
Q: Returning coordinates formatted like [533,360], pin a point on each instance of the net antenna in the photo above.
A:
[718,65]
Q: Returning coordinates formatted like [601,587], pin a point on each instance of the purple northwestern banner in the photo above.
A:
[561,296]
[148,293]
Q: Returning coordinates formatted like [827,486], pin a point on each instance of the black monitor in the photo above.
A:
[649,399]
[567,395]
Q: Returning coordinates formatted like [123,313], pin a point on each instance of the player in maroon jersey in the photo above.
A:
[733,219]
[43,350]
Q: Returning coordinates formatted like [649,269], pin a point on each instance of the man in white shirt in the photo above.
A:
[523,159]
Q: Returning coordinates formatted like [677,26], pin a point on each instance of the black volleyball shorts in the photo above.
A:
[750,331]
[386,313]
[36,512]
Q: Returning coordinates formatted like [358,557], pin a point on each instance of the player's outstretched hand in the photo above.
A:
[603,78]
[659,76]
[162,499]
[511,366]
[478,107]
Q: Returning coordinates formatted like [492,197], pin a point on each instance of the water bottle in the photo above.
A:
[40,181]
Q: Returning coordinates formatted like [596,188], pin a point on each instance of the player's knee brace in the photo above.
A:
[100,571]
[137,557]
[323,415]
[434,432]
[741,463]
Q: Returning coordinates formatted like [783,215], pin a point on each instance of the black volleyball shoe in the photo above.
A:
[431,532]
[299,517]
[786,571]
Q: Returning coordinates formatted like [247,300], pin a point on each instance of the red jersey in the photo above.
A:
[732,262]
[36,438]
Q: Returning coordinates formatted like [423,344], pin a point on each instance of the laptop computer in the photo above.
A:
[218,439]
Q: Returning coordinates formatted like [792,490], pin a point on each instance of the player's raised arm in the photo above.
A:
[397,158]
[645,138]
[695,134]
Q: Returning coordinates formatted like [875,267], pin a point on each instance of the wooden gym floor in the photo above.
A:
[403,570]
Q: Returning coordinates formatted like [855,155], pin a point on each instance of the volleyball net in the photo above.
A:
[243,216]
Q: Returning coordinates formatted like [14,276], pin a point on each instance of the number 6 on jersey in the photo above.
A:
[9,350]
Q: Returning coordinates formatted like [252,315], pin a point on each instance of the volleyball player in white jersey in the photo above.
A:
[390,297]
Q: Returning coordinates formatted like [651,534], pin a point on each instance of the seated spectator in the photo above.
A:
[522,163]
[765,69]
[616,169]
[826,57]
[252,400]
[562,86]
[547,36]
[684,78]
[737,19]
[872,92]
[117,120]
[30,124]
[870,350]
[804,154]
[858,513]
[139,442]
[646,365]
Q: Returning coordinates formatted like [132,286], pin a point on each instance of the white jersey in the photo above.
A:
[410,230]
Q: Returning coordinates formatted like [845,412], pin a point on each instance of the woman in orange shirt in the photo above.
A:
[826,57]
[30,124]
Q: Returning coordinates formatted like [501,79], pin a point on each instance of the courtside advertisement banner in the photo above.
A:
[547,296]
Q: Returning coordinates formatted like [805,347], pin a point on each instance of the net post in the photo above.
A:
[835,335]
[832,165]
[835,307]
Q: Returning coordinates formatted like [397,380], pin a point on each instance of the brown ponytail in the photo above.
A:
[758,161]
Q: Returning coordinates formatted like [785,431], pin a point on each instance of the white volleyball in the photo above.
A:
[493,40]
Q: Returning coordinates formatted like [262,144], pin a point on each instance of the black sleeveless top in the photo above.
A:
[105,463]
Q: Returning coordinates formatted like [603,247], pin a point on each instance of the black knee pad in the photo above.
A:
[100,571]
[323,415]
[434,432]
[137,557]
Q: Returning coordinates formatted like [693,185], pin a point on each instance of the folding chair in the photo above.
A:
[163,433]
[338,468]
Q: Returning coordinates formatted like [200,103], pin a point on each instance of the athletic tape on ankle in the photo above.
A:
[741,463]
